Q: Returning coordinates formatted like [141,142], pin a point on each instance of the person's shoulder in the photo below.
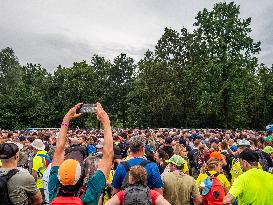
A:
[222,176]
[38,157]
[23,177]
[186,176]
[151,164]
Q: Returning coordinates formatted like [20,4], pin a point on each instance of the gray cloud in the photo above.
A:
[64,31]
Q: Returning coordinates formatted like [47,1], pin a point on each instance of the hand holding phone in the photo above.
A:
[88,108]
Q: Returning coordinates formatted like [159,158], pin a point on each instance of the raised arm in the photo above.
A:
[58,156]
[108,154]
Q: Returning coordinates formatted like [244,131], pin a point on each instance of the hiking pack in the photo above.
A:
[123,149]
[216,194]
[46,157]
[70,195]
[262,160]
[127,168]
[137,194]
[4,196]
[61,200]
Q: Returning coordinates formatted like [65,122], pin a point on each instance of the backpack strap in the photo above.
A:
[46,156]
[213,175]
[126,165]
[145,162]
[11,173]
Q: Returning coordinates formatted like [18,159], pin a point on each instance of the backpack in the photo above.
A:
[191,156]
[198,161]
[127,168]
[137,194]
[227,168]
[216,194]
[123,149]
[4,196]
[46,157]
[262,160]
[61,200]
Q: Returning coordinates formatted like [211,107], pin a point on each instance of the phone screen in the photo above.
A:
[88,108]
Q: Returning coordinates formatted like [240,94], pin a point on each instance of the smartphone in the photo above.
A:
[88,108]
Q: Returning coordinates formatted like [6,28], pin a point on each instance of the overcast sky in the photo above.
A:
[60,32]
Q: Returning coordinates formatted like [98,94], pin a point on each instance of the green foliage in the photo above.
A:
[206,78]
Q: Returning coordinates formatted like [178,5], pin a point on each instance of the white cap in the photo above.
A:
[243,142]
[100,144]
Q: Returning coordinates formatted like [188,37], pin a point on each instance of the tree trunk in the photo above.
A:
[225,97]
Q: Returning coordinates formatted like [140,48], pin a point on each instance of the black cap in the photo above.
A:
[249,155]
[8,150]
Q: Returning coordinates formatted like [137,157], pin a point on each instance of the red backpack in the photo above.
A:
[61,200]
[216,193]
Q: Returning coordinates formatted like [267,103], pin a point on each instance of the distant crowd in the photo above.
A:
[135,166]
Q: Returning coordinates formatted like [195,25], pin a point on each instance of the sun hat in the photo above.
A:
[268,149]
[38,144]
[8,150]
[176,160]
[69,172]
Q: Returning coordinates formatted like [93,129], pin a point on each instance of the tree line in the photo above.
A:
[209,77]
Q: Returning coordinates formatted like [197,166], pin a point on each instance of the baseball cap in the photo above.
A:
[100,143]
[268,149]
[69,172]
[249,155]
[38,144]
[177,160]
[243,143]
[216,155]
[8,150]
[19,145]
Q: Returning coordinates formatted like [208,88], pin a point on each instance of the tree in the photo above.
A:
[120,82]
[224,61]
[10,70]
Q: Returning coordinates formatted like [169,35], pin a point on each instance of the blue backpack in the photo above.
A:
[47,159]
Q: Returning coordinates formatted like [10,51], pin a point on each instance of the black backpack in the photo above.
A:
[262,160]
[4,196]
[127,168]
[137,194]
[123,149]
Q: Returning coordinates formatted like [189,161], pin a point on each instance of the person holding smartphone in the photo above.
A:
[65,175]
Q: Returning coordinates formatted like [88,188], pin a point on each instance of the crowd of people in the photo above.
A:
[135,166]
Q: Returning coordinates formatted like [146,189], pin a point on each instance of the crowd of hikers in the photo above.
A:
[135,166]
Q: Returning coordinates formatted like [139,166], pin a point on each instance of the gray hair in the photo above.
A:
[136,143]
